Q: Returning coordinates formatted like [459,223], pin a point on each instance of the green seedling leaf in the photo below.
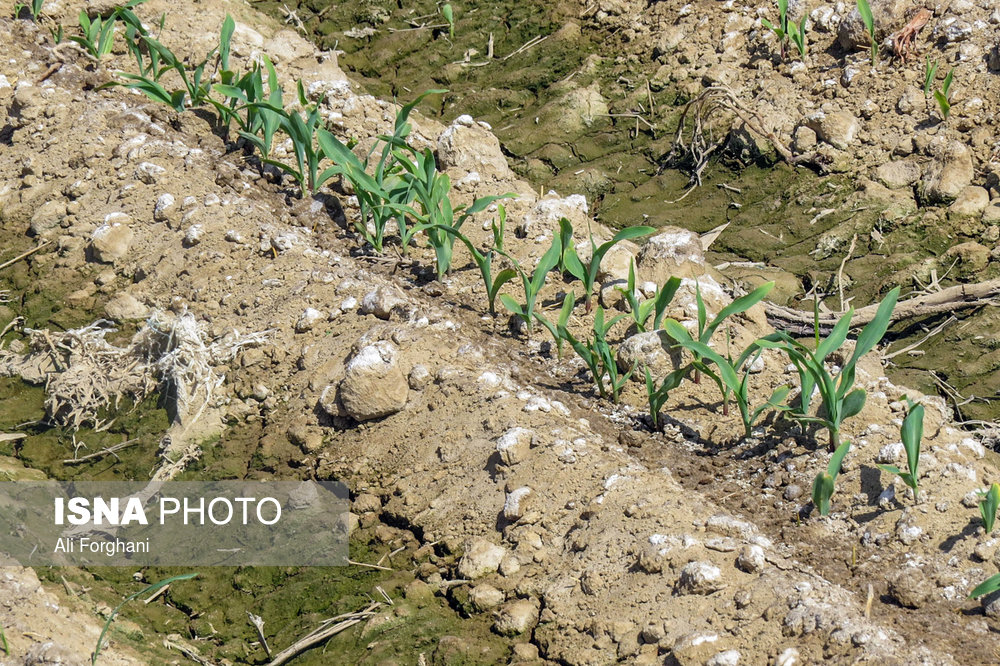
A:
[823,484]
[853,403]
[988,586]
[146,590]
[988,507]
[930,71]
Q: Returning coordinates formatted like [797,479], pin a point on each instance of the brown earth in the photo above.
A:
[607,542]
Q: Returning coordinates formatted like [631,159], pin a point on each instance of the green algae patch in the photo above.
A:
[292,601]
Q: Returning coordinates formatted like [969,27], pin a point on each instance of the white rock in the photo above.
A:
[149,173]
[193,235]
[481,557]
[727,658]
[164,207]
[374,385]
[514,444]
[699,578]
[751,559]
[788,657]
[308,319]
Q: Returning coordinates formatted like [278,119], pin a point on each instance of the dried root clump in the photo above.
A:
[704,128]
[88,377]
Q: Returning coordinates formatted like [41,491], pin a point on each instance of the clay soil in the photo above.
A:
[605,540]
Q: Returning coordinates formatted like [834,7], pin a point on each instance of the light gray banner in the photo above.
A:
[176,523]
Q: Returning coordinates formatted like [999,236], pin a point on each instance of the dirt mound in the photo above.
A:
[588,535]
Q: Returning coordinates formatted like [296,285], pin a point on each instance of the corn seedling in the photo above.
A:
[655,306]
[988,586]
[911,432]
[385,194]
[588,274]
[988,506]
[707,329]
[824,483]
[34,9]
[377,195]
[98,35]
[780,30]
[930,71]
[731,378]
[301,128]
[484,260]
[261,121]
[134,32]
[532,284]
[943,95]
[657,395]
[797,33]
[430,190]
[448,14]
[840,399]
[599,357]
[564,314]
[798,37]
[3,643]
[146,590]
[866,17]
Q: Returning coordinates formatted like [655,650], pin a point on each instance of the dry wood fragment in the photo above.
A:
[962,296]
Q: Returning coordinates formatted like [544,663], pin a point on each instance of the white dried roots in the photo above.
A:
[91,376]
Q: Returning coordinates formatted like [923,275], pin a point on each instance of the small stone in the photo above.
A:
[374,385]
[484,597]
[672,252]
[950,172]
[650,350]
[418,592]
[751,559]
[482,557]
[890,453]
[971,202]
[897,174]
[149,173]
[514,444]
[793,492]
[839,129]
[516,617]
[193,235]
[699,578]
[788,657]
[515,504]
[419,377]
[382,302]
[509,565]
[910,588]
[111,240]
[46,217]
[525,652]
[726,658]
[366,502]
[164,208]
[985,550]
[308,320]
[803,139]
[125,307]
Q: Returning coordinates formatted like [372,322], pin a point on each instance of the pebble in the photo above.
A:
[193,235]
[481,557]
[514,444]
[308,319]
[699,578]
[751,559]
